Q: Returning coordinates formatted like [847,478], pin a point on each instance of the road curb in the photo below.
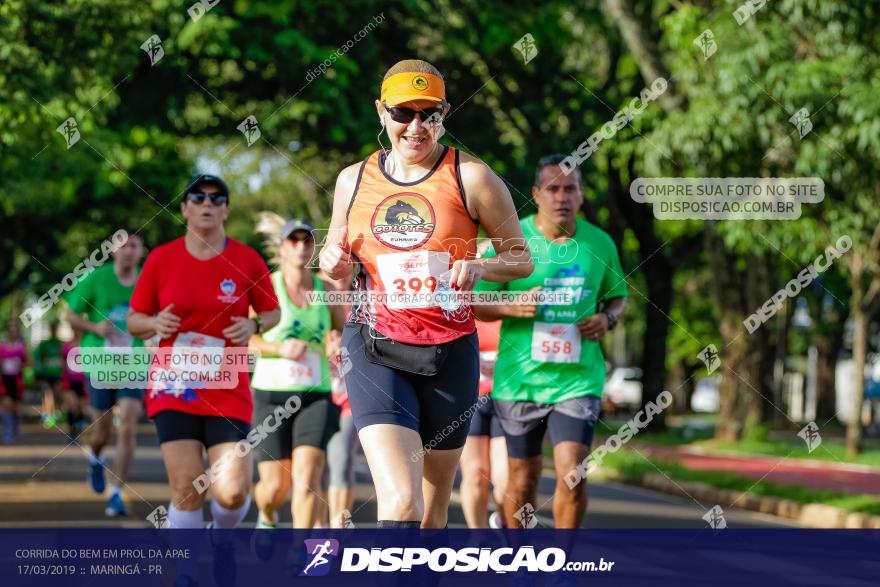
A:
[814,515]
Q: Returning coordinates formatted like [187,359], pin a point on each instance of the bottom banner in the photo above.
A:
[536,557]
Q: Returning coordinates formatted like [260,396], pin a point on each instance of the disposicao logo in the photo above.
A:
[320,551]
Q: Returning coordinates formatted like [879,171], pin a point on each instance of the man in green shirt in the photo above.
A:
[550,369]
[98,306]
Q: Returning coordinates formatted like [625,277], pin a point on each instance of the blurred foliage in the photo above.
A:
[145,129]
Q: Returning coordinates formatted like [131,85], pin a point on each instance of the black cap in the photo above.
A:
[202,178]
[293,225]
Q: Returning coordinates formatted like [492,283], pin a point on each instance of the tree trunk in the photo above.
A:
[643,49]
[860,351]
[659,272]
[828,344]
[734,351]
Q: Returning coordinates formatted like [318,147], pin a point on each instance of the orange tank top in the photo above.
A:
[405,237]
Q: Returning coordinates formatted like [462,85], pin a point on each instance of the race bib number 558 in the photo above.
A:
[556,343]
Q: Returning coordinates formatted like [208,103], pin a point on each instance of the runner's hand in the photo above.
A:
[241,331]
[594,327]
[464,275]
[292,349]
[165,323]
[334,344]
[525,310]
[335,258]
[104,329]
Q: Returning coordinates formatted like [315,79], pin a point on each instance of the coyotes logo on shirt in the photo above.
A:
[404,221]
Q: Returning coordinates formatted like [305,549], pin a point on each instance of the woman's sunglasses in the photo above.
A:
[199,197]
[406,115]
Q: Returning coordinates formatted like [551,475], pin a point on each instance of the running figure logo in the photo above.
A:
[318,551]
[70,131]
[715,518]
[527,47]
[153,48]
[250,129]
[801,121]
[706,43]
[810,434]
[710,357]
[526,516]
[159,517]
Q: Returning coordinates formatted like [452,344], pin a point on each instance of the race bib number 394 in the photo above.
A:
[556,343]
[275,373]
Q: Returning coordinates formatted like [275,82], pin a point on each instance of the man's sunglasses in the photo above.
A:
[301,239]
[406,115]
[199,197]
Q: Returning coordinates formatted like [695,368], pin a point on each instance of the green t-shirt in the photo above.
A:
[101,297]
[538,359]
[311,372]
[48,361]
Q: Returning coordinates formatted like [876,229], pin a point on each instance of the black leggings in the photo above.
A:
[438,407]
[209,430]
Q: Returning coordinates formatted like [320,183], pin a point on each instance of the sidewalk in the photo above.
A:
[812,474]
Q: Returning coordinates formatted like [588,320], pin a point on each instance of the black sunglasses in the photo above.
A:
[406,115]
[199,197]
[300,239]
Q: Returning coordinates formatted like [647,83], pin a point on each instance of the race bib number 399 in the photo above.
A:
[556,343]
[411,278]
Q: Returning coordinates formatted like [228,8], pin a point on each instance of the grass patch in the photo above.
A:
[629,466]
[759,442]
[828,451]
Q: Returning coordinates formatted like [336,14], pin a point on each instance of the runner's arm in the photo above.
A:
[77,321]
[334,256]
[337,311]
[263,346]
[489,201]
[140,325]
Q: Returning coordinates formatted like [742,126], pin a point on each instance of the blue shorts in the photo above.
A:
[438,407]
[485,422]
[104,399]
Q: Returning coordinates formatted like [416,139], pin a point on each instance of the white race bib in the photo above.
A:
[556,343]
[410,278]
[487,365]
[278,373]
[199,353]
[118,341]
[11,365]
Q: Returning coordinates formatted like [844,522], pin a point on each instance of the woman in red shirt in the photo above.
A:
[195,293]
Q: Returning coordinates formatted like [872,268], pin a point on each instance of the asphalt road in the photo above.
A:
[42,484]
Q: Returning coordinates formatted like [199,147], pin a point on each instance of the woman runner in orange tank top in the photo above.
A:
[406,218]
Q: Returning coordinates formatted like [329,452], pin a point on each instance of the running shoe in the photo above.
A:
[225,567]
[496,521]
[185,581]
[49,420]
[96,476]
[115,506]
[263,540]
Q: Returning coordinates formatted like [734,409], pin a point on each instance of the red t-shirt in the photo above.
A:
[488,334]
[206,296]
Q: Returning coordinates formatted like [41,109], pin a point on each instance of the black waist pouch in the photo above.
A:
[412,358]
